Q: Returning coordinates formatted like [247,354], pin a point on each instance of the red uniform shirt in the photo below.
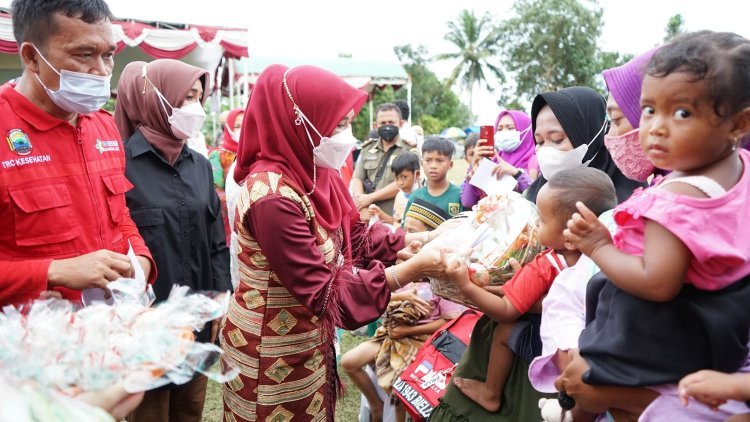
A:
[533,281]
[62,194]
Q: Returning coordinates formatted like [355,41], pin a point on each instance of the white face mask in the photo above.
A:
[81,93]
[186,121]
[553,161]
[509,140]
[332,151]
[234,133]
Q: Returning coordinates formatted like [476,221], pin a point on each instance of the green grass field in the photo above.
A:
[347,408]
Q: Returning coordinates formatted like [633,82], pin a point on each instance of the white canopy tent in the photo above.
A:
[187,30]
[208,35]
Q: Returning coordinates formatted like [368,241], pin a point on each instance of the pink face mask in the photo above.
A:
[629,156]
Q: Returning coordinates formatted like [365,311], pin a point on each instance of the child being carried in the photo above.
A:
[518,331]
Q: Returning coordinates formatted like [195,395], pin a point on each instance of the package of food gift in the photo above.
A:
[500,227]
[62,348]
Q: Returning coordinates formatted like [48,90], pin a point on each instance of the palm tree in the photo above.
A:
[477,40]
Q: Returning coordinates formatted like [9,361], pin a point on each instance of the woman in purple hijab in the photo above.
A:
[514,144]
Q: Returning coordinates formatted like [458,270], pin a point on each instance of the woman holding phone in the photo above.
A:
[510,144]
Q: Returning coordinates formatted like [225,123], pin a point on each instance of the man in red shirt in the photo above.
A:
[64,221]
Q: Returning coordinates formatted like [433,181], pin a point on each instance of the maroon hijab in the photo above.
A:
[138,105]
[271,141]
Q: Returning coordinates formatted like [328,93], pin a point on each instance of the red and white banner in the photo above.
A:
[158,43]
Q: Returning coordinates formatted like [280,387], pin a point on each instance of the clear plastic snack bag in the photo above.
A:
[500,227]
[144,347]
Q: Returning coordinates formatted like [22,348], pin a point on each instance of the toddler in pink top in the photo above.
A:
[688,229]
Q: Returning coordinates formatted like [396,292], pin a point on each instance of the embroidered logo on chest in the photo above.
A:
[106,146]
[19,142]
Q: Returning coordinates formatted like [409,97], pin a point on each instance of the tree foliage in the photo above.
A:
[552,44]
[434,106]
[432,101]
[476,39]
[675,26]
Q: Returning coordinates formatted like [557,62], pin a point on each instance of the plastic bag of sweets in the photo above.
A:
[497,229]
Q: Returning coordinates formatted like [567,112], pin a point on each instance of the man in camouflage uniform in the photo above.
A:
[374,182]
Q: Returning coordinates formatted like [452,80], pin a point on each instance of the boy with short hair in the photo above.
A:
[406,169]
[437,159]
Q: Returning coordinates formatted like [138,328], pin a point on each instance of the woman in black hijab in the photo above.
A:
[570,124]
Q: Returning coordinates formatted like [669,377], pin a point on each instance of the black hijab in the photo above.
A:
[581,112]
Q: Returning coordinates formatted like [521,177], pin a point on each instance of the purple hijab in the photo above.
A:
[520,157]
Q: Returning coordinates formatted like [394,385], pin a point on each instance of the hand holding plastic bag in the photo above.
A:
[498,230]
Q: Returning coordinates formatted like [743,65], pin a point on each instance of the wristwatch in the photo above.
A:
[518,173]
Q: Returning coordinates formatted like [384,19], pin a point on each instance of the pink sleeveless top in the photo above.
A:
[716,229]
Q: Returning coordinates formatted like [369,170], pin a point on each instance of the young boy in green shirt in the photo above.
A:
[437,159]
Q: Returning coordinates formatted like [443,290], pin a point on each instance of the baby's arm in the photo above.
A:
[714,388]
[498,308]
[656,276]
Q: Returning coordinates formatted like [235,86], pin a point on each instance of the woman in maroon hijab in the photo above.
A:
[307,264]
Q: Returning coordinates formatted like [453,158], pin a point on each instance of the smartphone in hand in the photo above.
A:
[487,132]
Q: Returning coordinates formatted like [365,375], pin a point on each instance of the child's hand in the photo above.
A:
[375,211]
[397,331]
[114,399]
[585,232]
[408,252]
[714,388]
[424,307]
[515,265]
[362,201]
[456,267]
[54,294]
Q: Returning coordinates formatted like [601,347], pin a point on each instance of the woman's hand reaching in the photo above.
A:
[430,262]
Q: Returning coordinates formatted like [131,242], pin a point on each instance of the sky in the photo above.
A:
[370,30]
[327,28]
